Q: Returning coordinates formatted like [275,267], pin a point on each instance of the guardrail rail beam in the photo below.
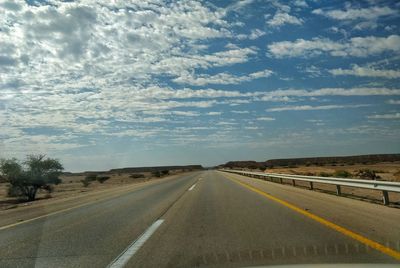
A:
[384,186]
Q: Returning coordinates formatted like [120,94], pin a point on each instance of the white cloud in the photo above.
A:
[366,72]
[251,128]
[313,71]
[335,29]
[394,102]
[300,3]
[238,5]
[261,74]
[265,118]
[225,123]
[384,116]
[240,112]
[214,113]
[186,113]
[175,65]
[57,58]
[356,46]
[256,33]
[310,108]
[221,78]
[253,35]
[371,13]
[281,18]
[357,91]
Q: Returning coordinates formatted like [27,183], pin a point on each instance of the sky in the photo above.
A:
[117,83]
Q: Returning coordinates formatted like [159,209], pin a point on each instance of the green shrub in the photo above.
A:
[367,174]
[13,191]
[102,179]
[136,176]
[156,174]
[325,174]
[342,174]
[91,177]
[85,182]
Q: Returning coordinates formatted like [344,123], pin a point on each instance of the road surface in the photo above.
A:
[207,219]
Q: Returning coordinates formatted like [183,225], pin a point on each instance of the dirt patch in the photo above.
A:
[388,171]
[65,200]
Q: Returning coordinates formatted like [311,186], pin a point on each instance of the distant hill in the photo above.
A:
[139,169]
[151,169]
[317,161]
[245,164]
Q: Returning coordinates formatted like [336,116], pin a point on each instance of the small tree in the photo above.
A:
[136,176]
[102,179]
[91,177]
[156,173]
[36,172]
[85,182]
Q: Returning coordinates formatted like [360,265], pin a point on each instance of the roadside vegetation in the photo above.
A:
[93,177]
[43,180]
[137,176]
[26,178]
[159,173]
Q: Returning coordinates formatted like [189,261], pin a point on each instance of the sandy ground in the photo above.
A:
[66,200]
[72,186]
[389,171]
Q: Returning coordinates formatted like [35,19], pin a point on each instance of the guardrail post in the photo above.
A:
[311,185]
[385,197]
[294,182]
[281,181]
[338,190]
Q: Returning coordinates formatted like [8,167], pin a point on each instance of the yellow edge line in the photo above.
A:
[386,250]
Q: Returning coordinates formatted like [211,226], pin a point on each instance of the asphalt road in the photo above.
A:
[204,219]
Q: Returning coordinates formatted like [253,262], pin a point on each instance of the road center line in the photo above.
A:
[191,188]
[366,241]
[124,257]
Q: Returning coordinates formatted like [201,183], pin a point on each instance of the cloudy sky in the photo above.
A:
[115,83]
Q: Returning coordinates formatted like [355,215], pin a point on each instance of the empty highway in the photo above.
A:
[207,219]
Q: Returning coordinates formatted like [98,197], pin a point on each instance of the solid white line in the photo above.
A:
[191,188]
[124,257]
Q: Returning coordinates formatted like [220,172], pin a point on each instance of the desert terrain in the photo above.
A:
[72,187]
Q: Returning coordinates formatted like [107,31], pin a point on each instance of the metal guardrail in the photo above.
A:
[384,186]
